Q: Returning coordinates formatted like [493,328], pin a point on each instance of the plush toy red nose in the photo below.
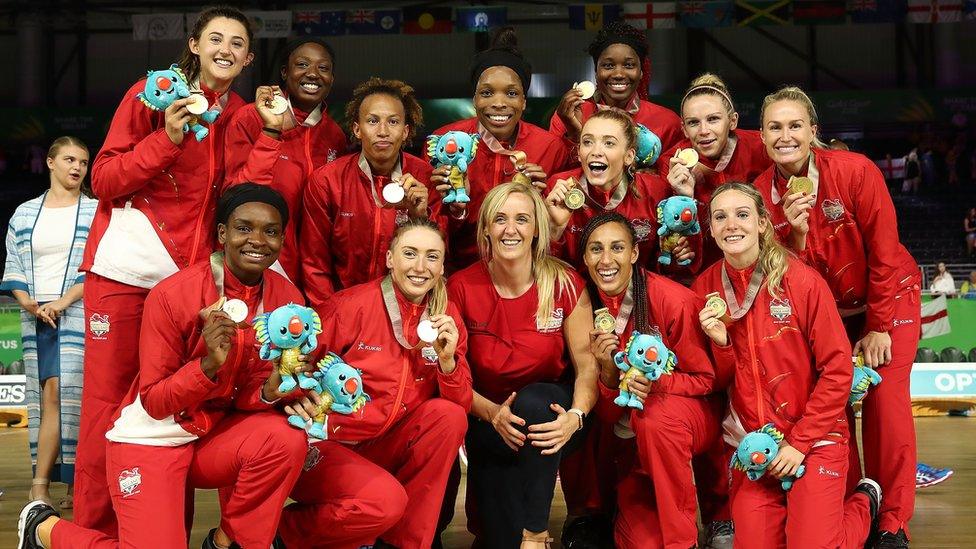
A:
[686,215]
[163,83]
[651,354]
[295,325]
[450,147]
[351,386]
[758,458]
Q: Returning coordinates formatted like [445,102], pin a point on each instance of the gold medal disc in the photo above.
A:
[575,199]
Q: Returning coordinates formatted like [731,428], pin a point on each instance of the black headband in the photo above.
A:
[502,58]
[250,192]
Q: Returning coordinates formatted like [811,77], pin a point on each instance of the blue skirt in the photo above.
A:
[48,352]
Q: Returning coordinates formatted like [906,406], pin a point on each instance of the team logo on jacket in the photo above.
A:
[554,324]
[99,326]
[332,155]
[833,209]
[312,457]
[780,309]
[129,482]
[642,228]
[429,354]
[401,217]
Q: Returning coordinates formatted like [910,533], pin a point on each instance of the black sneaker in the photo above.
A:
[208,542]
[31,517]
[588,532]
[872,490]
[887,540]
[719,535]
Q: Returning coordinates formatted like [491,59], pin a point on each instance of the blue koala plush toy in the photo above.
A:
[284,334]
[455,149]
[340,388]
[645,356]
[648,147]
[864,378]
[757,450]
[163,87]
[677,216]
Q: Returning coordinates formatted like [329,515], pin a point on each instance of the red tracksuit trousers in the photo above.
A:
[350,495]
[812,515]
[887,425]
[113,312]
[670,432]
[258,457]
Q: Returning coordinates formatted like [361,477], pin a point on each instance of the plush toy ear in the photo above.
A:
[260,324]
[474,144]
[735,463]
[660,212]
[771,430]
[671,362]
[316,322]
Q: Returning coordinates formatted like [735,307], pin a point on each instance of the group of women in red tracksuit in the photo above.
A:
[176,397]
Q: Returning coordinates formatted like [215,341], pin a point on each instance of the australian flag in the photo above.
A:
[706,14]
[374,21]
[877,11]
[319,23]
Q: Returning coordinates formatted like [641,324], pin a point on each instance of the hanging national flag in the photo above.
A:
[819,12]
[480,18]
[705,14]
[319,23]
[934,11]
[373,21]
[935,318]
[876,11]
[652,15]
[158,26]
[969,9]
[426,20]
[592,17]
[762,12]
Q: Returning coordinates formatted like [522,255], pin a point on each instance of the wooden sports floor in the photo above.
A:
[943,513]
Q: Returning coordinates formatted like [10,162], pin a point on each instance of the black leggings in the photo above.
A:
[513,491]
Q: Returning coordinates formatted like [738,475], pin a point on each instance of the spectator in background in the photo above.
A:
[969,226]
[45,243]
[838,145]
[968,289]
[942,283]
[913,173]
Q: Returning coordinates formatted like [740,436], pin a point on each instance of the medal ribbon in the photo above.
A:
[619,193]
[735,311]
[812,172]
[394,177]
[311,120]
[517,157]
[393,312]
[217,269]
[626,307]
[632,106]
[727,152]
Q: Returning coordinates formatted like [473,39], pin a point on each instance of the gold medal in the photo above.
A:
[198,103]
[688,157]
[800,185]
[520,177]
[715,302]
[278,105]
[586,88]
[604,321]
[575,198]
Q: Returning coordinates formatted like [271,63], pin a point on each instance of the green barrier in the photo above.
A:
[10,343]
[962,319]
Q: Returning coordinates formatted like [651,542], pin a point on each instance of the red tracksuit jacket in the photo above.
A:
[749,159]
[356,326]
[792,360]
[175,187]
[171,389]
[284,164]
[672,310]
[641,211]
[489,170]
[660,120]
[853,239]
[344,235]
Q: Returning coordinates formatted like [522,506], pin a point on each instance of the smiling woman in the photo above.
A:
[287,133]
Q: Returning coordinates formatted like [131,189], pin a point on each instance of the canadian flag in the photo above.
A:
[935,318]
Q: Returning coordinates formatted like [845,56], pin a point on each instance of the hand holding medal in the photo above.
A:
[564,198]
[271,106]
[603,343]
[798,203]
[441,332]
[713,319]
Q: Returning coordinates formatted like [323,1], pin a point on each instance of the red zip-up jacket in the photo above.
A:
[344,235]
[357,328]
[171,386]
[853,239]
[641,210]
[792,360]
[490,169]
[285,165]
[660,120]
[672,310]
[174,186]
[748,161]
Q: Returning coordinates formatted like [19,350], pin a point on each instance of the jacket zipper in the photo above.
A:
[308,153]
[754,363]
[377,221]
[399,396]
[206,202]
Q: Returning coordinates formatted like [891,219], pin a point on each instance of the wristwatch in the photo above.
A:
[580,413]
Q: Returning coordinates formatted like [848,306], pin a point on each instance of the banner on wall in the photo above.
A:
[158,26]
[270,24]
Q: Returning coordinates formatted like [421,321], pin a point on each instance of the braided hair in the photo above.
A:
[638,280]
[619,32]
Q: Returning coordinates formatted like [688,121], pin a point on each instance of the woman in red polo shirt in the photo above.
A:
[526,314]
[623,71]
[283,149]
[833,209]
